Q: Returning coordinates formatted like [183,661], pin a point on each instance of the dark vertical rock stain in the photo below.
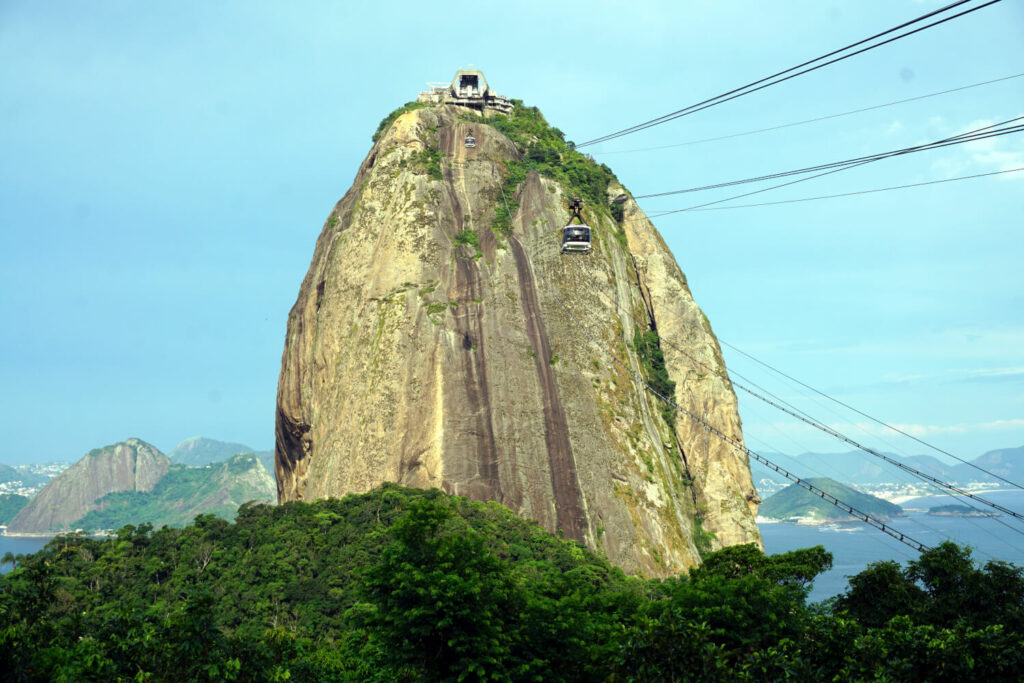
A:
[466,291]
[469,325]
[564,481]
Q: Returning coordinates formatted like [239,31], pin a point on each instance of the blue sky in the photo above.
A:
[165,170]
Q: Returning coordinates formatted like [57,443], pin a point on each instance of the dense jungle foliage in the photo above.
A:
[545,150]
[408,585]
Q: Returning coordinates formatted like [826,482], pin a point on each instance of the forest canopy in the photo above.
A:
[405,585]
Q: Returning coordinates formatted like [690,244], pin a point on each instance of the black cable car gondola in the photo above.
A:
[576,238]
[470,140]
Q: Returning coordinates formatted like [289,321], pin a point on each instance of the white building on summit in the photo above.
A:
[469,88]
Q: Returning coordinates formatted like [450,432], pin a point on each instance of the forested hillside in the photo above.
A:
[795,501]
[407,585]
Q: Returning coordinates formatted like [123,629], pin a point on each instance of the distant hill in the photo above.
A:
[796,501]
[10,505]
[959,511]
[1006,462]
[199,451]
[132,465]
[134,483]
[862,469]
[28,479]
[185,492]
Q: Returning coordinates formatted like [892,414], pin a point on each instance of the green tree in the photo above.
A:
[439,602]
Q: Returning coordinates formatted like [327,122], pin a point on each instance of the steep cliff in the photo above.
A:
[441,339]
[184,492]
[132,465]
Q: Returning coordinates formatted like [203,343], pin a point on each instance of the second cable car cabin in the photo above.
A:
[576,238]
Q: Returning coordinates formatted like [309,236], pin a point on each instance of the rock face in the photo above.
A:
[185,492]
[132,465]
[505,371]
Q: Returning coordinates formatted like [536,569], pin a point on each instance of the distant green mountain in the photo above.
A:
[796,501]
[199,451]
[959,511]
[131,466]
[859,468]
[10,506]
[1005,462]
[185,492]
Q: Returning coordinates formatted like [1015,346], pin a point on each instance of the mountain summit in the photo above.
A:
[132,465]
[441,338]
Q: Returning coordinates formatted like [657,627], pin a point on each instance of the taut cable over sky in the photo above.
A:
[781,76]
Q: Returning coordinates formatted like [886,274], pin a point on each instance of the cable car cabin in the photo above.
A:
[470,141]
[576,238]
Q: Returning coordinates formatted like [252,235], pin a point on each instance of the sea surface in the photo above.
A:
[19,546]
[855,545]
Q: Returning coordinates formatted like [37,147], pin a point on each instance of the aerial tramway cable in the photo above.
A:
[807,121]
[1000,539]
[804,417]
[950,141]
[873,419]
[985,132]
[781,76]
[824,495]
[851,194]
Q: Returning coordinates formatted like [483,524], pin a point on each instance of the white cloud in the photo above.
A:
[904,379]
[920,430]
[991,372]
[982,156]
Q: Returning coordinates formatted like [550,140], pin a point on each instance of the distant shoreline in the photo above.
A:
[28,535]
[52,534]
[820,521]
[900,500]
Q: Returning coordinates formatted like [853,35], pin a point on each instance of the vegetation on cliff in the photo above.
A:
[386,122]
[544,149]
[648,349]
[406,584]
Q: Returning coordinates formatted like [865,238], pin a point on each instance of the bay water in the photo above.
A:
[855,545]
[20,545]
